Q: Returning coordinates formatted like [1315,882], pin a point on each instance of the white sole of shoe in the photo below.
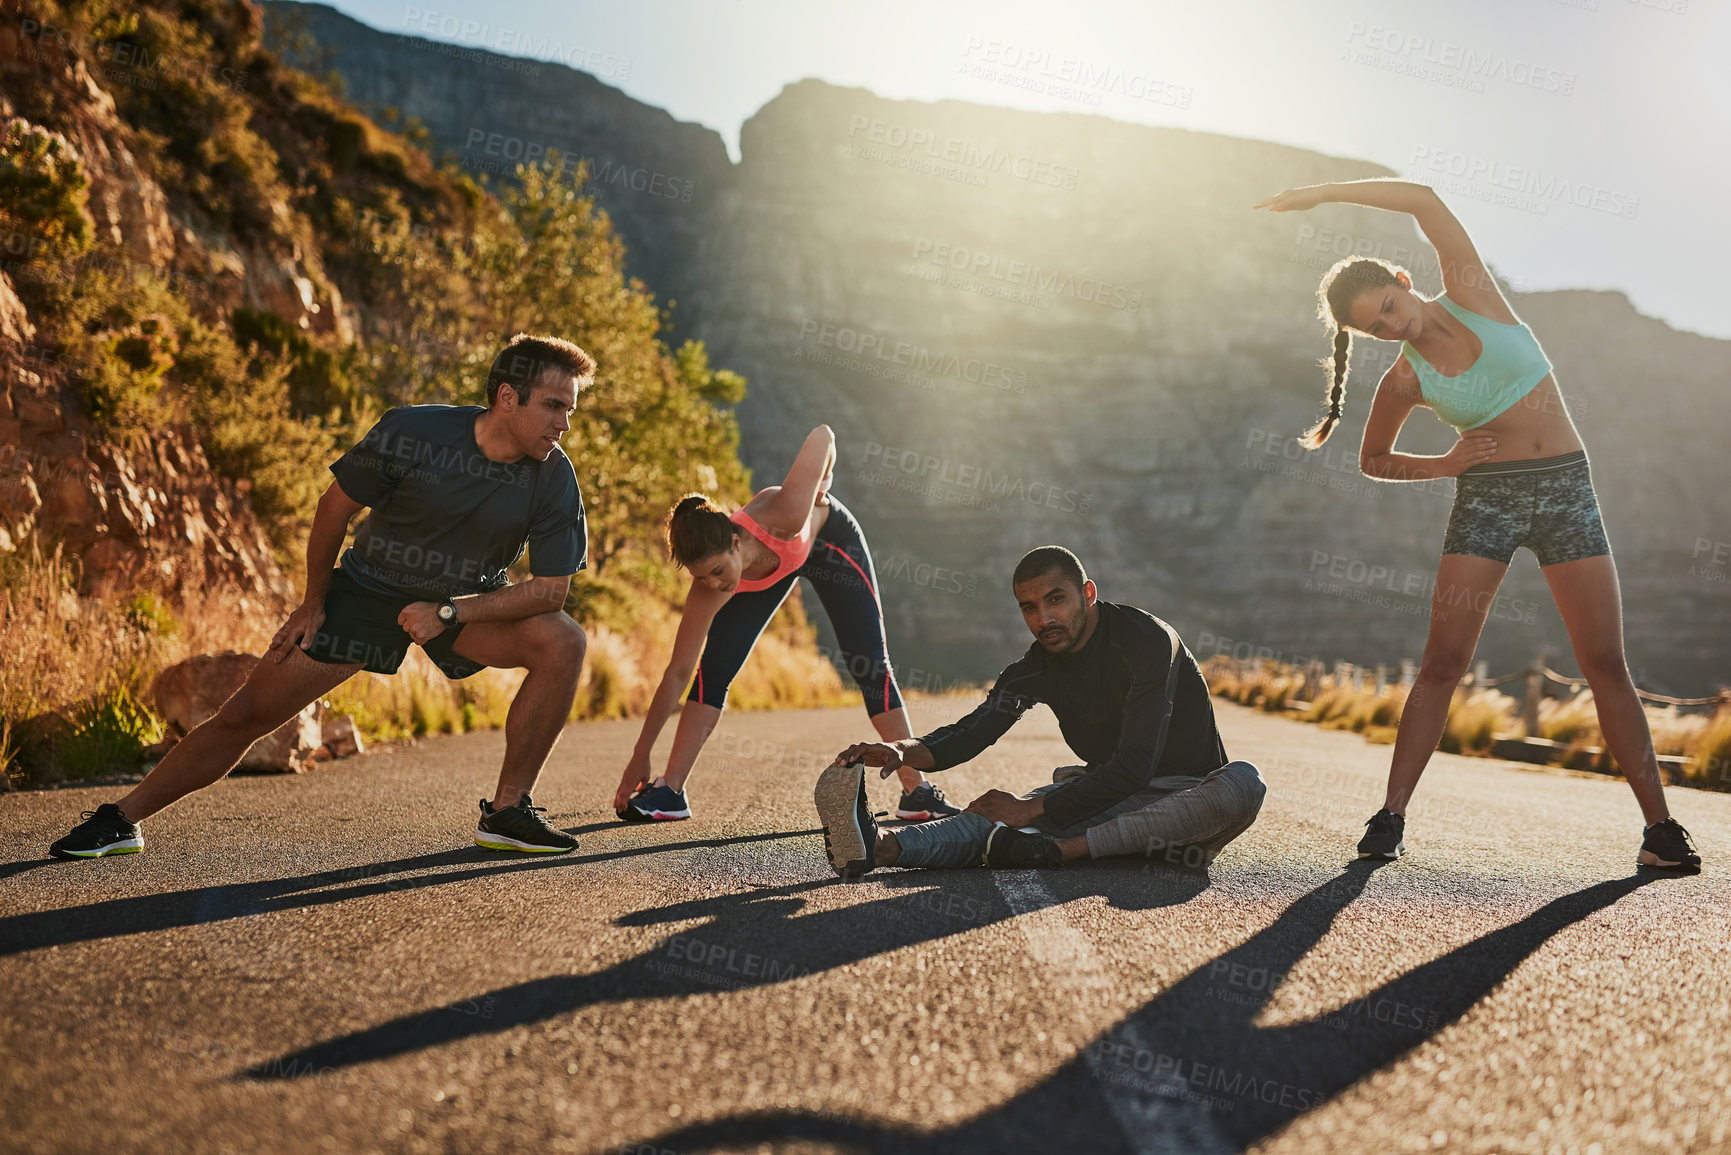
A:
[844,840]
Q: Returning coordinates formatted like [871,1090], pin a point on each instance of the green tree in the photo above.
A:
[649,429]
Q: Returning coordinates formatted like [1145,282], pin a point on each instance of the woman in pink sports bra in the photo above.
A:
[742,568]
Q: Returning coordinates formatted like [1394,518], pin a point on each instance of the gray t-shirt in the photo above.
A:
[445,518]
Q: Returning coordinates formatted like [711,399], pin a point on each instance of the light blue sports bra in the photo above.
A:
[1506,371]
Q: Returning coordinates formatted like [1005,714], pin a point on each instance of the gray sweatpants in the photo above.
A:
[1183,820]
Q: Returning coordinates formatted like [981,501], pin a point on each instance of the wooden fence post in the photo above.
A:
[1535,690]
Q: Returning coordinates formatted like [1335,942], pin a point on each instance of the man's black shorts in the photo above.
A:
[361,626]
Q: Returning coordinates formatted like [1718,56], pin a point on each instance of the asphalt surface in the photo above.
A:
[324,962]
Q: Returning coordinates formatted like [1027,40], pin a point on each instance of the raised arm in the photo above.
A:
[1464,275]
[809,476]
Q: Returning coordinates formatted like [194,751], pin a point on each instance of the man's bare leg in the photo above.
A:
[551,647]
[274,692]
[1073,848]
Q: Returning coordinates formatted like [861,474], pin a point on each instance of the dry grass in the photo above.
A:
[1570,721]
[1264,688]
[74,685]
[1710,759]
[1476,717]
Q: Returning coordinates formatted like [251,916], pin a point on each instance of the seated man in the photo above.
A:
[1129,699]
[456,492]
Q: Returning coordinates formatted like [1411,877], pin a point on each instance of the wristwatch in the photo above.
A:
[448,612]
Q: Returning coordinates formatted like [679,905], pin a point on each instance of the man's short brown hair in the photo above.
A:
[523,360]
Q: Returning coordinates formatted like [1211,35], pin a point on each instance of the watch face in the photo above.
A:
[447,612]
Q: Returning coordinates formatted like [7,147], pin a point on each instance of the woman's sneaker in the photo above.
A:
[850,833]
[1383,839]
[923,803]
[1010,849]
[520,827]
[1667,847]
[104,830]
[657,804]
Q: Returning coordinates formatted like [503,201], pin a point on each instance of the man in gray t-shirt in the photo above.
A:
[454,494]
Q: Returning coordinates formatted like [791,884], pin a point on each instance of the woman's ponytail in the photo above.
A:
[697,529]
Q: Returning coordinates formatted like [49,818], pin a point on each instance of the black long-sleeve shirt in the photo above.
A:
[1110,699]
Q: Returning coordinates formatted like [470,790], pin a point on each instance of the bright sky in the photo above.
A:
[1583,142]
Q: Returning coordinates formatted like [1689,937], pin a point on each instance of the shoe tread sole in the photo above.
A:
[837,799]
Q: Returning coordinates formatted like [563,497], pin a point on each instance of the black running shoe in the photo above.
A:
[1383,839]
[104,830]
[520,827]
[656,804]
[924,803]
[1667,847]
[1010,849]
[850,833]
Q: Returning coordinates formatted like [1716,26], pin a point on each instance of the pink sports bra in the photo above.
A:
[791,552]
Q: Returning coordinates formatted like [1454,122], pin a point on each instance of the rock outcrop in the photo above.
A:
[189,692]
[149,512]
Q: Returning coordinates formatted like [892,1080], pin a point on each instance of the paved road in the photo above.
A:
[324,963]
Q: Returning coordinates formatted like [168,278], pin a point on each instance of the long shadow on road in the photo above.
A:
[1191,1070]
[210,904]
[748,940]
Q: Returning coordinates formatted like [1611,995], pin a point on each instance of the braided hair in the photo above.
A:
[1341,286]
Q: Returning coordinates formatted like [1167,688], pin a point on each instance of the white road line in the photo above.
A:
[1157,1113]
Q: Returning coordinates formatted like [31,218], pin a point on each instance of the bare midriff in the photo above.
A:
[1538,425]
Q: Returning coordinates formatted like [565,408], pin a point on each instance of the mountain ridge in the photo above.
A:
[1160,346]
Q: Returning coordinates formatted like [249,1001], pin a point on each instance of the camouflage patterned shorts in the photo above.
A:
[1546,504]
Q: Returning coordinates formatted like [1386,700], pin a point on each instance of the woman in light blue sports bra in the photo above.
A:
[1522,479]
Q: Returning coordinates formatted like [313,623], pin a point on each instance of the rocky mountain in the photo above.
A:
[1030,328]
[149,511]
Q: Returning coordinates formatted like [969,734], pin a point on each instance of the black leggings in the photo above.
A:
[840,569]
